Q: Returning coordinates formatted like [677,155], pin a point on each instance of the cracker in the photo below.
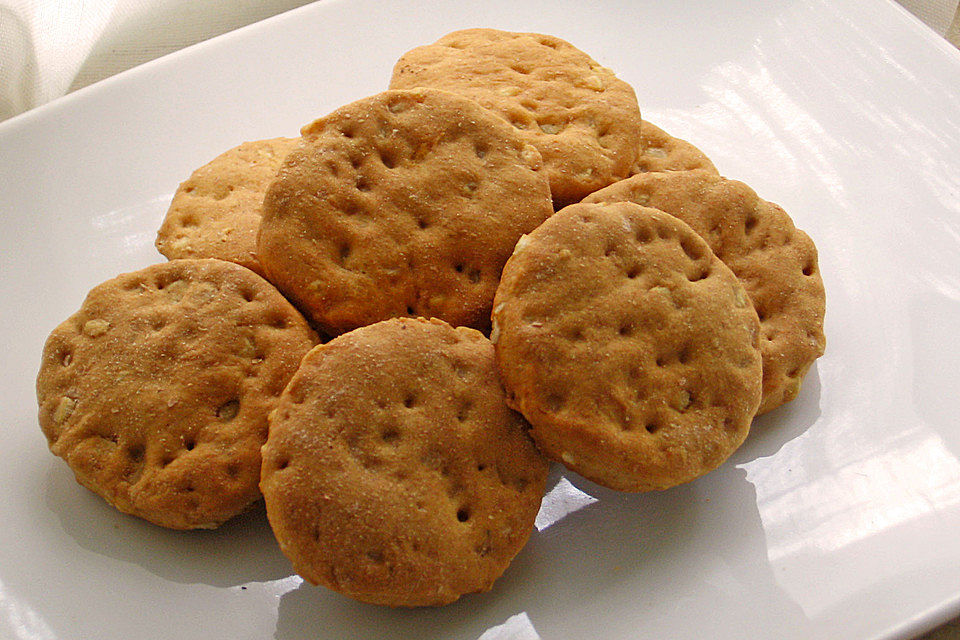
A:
[394,472]
[582,118]
[662,152]
[156,392]
[406,203]
[628,346]
[775,261]
[215,213]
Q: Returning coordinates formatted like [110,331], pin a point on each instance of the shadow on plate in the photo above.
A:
[776,428]
[242,550]
[633,555]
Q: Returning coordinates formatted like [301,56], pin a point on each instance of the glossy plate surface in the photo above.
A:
[837,518]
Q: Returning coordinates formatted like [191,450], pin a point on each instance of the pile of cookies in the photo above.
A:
[387,326]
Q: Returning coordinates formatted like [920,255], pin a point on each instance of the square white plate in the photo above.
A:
[838,518]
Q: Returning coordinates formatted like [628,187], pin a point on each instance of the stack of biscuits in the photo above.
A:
[388,326]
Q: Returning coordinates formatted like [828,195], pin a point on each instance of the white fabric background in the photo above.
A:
[51,47]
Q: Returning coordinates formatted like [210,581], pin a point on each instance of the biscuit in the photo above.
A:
[406,203]
[394,472]
[584,121]
[659,151]
[776,262]
[215,213]
[628,346]
[156,392]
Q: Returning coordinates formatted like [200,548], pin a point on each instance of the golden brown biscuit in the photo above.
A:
[776,262]
[404,203]
[659,151]
[394,472]
[156,392]
[628,346]
[584,120]
[216,212]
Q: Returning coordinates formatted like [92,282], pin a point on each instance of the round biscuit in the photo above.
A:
[156,392]
[215,213]
[659,151]
[628,346]
[775,261]
[406,203]
[582,118]
[394,472]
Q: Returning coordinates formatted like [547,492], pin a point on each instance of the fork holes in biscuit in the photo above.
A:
[634,271]
[554,402]
[362,184]
[388,158]
[135,452]
[693,252]
[390,435]
[749,224]
[809,269]
[644,235]
[651,427]
[189,444]
[229,410]
[409,400]
[463,514]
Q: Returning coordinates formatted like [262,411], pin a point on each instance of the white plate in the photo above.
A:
[838,517]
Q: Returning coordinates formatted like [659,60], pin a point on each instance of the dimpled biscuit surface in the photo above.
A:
[662,152]
[215,213]
[406,203]
[628,346]
[394,472]
[156,392]
[582,118]
[775,261]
